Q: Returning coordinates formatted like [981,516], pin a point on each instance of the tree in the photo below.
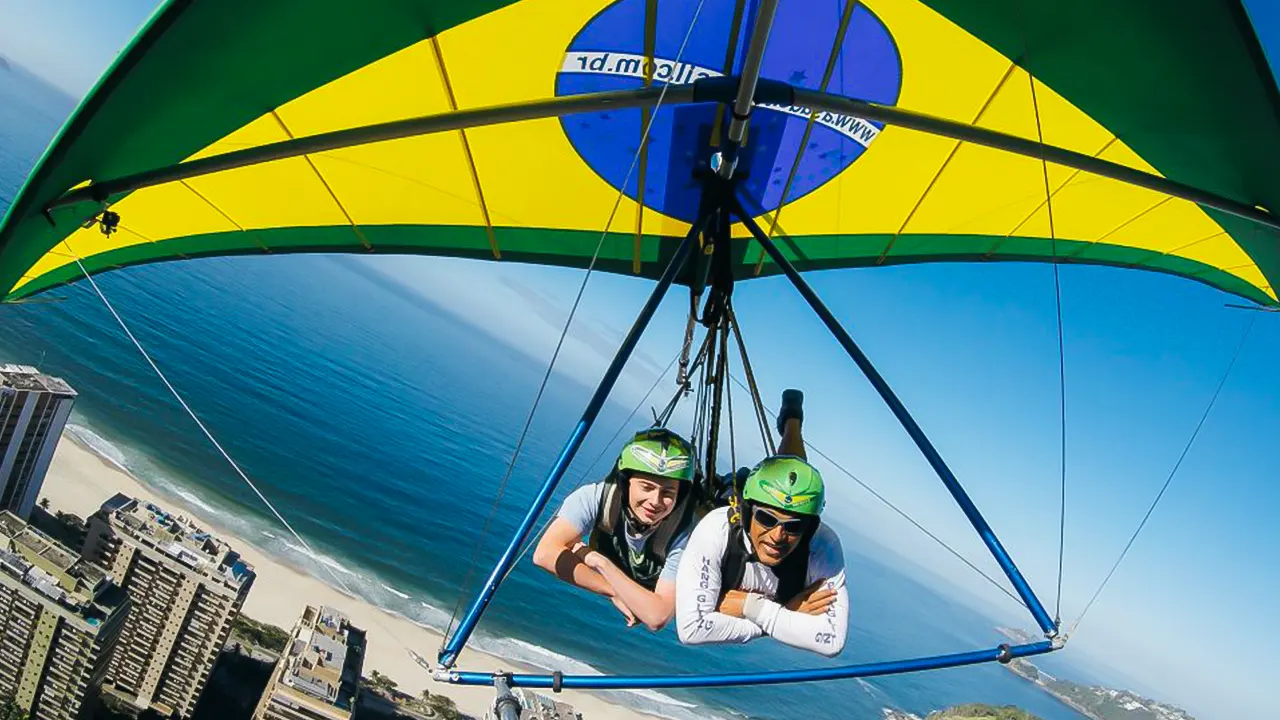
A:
[444,706]
[44,503]
[379,681]
[260,634]
[9,710]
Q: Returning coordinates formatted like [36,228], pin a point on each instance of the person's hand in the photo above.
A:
[732,603]
[813,600]
[626,611]
[589,557]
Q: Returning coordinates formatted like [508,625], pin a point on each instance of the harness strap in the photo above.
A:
[611,523]
[610,515]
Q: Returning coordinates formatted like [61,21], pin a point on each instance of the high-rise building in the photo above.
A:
[33,410]
[60,620]
[187,587]
[318,674]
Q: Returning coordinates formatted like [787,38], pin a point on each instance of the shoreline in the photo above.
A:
[1017,670]
[80,479]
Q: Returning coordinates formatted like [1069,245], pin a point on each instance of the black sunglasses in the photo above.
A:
[768,521]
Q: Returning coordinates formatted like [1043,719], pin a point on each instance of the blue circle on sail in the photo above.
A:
[609,54]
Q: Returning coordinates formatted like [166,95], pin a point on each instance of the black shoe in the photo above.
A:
[792,407]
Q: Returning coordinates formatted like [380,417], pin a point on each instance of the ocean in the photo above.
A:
[380,425]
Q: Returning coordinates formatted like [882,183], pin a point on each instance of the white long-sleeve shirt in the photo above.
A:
[698,584]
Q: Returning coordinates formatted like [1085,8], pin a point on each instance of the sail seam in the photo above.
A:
[466,150]
[945,163]
[341,208]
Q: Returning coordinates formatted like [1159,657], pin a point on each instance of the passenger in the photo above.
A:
[766,565]
[636,523]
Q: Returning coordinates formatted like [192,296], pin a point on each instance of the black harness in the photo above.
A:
[609,536]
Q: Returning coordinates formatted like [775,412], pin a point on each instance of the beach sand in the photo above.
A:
[79,481]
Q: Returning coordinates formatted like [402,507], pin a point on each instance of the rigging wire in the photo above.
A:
[502,486]
[683,385]
[901,512]
[222,451]
[762,420]
[1176,466]
[1057,301]
[200,423]
[733,451]
[1062,362]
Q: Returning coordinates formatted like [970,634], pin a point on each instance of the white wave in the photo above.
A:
[428,616]
[191,499]
[660,698]
[394,591]
[322,559]
[534,655]
[137,466]
[268,533]
[549,660]
[99,445]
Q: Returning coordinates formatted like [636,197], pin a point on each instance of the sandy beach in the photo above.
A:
[79,481]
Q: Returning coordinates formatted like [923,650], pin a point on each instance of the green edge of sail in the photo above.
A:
[179,87]
[574,248]
[1214,125]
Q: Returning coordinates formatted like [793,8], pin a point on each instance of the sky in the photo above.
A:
[70,43]
[971,350]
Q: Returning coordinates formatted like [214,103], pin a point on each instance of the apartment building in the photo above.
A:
[187,587]
[318,674]
[60,620]
[33,410]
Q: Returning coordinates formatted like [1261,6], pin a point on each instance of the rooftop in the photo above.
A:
[25,377]
[61,577]
[316,662]
[178,537]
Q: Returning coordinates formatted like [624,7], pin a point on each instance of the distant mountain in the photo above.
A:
[1092,701]
[979,711]
[4,63]
[968,711]
[1096,702]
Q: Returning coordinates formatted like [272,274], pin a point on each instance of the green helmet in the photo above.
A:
[658,451]
[788,483]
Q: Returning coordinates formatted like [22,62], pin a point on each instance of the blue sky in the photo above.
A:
[69,42]
[972,351]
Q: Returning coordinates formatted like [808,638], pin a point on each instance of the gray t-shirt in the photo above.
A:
[581,508]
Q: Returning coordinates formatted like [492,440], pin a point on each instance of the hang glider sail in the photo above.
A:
[1182,96]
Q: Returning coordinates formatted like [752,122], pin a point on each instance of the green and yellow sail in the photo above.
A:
[1178,90]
